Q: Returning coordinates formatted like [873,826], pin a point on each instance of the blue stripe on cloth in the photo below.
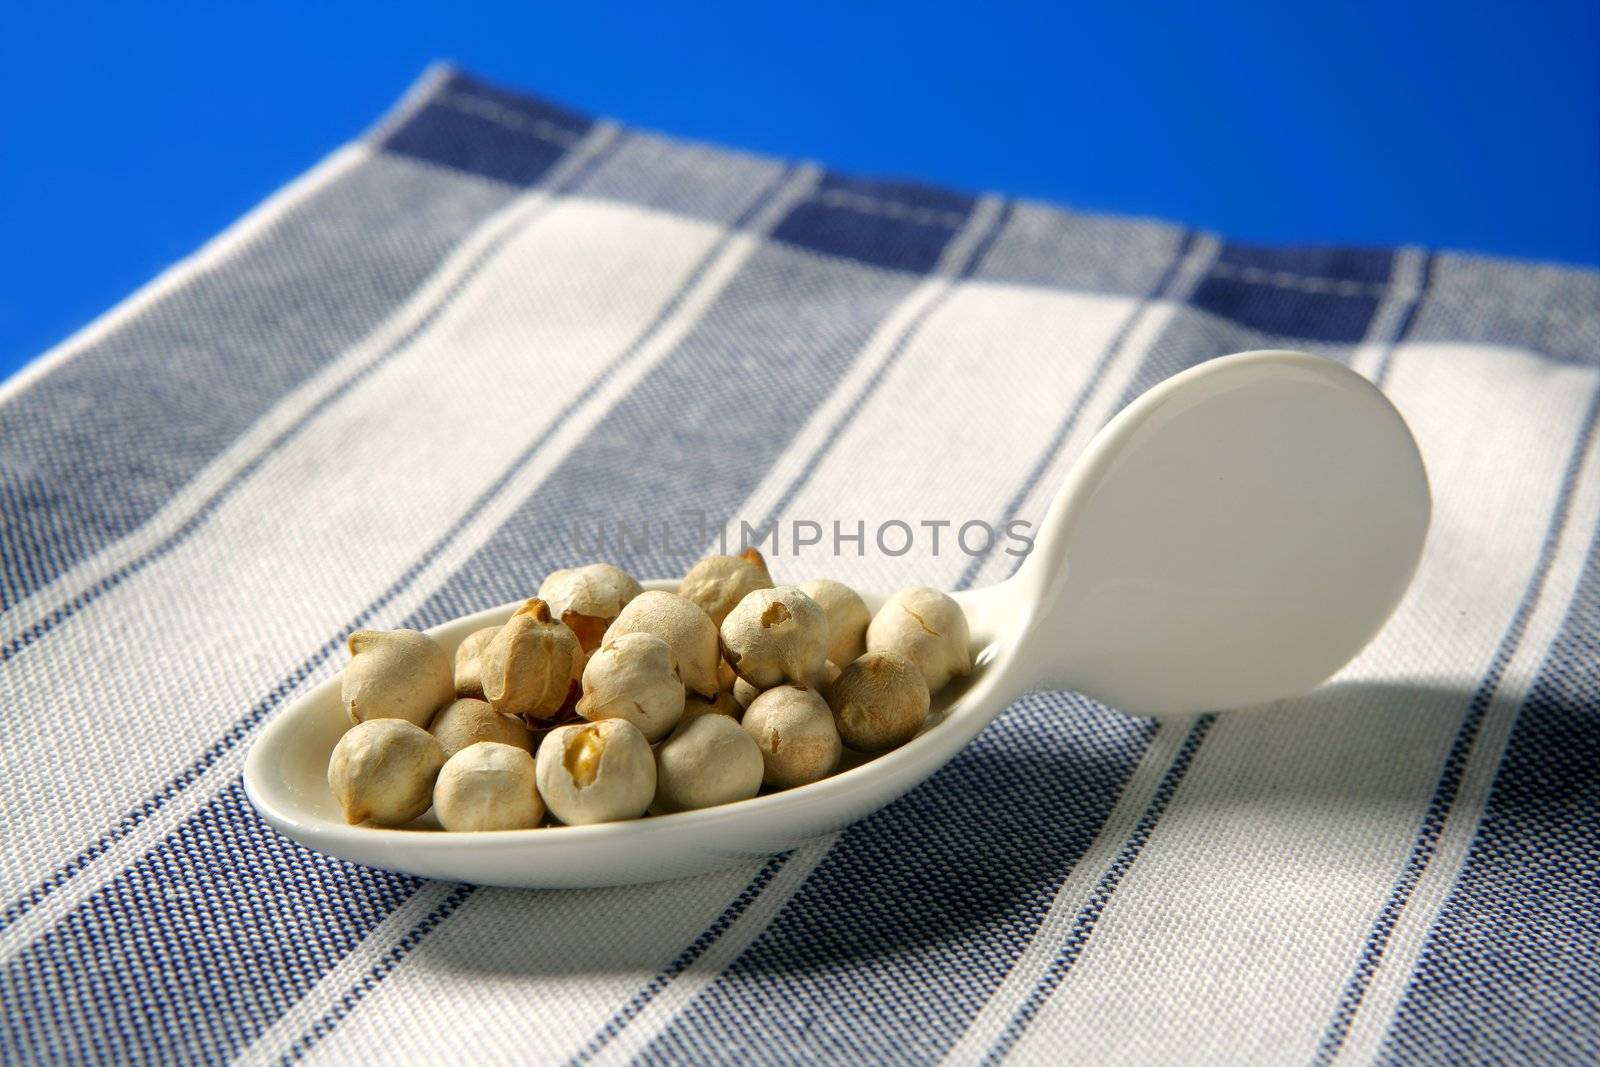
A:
[1508,973]
[146,970]
[242,728]
[702,375]
[95,448]
[901,933]
[479,129]
[895,225]
[1198,333]
[377,973]
[1327,294]
[1084,923]
[776,289]
[911,202]
[1360,266]
[217,498]
[1450,777]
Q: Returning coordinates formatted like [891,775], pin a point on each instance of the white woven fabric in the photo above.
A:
[393,393]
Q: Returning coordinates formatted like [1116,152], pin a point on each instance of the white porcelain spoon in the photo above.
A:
[1233,537]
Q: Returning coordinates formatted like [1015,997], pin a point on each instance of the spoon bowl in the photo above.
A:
[1233,537]
[286,779]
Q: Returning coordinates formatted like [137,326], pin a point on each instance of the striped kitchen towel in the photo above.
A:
[398,390]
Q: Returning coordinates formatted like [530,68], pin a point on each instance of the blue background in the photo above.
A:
[130,134]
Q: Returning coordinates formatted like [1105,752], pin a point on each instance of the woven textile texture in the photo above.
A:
[390,395]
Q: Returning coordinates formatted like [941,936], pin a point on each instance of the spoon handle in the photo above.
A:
[1233,537]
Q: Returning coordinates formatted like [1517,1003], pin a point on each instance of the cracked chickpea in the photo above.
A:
[469,662]
[528,667]
[589,599]
[718,583]
[879,702]
[684,626]
[488,786]
[794,730]
[382,771]
[928,628]
[775,636]
[396,674]
[633,677]
[469,721]
[596,772]
[847,618]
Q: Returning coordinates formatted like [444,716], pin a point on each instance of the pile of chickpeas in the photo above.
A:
[597,701]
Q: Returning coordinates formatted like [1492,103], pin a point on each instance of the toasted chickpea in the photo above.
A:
[596,772]
[488,786]
[382,771]
[469,657]
[794,730]
[684,626]
[878,702]
[724,704]
[708,760]
[929,629]
[775,636]
[632,677]
[848,618]
[744,692]
[588,599]
[396,674]
[718,583]
[527,667]
[470,722]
